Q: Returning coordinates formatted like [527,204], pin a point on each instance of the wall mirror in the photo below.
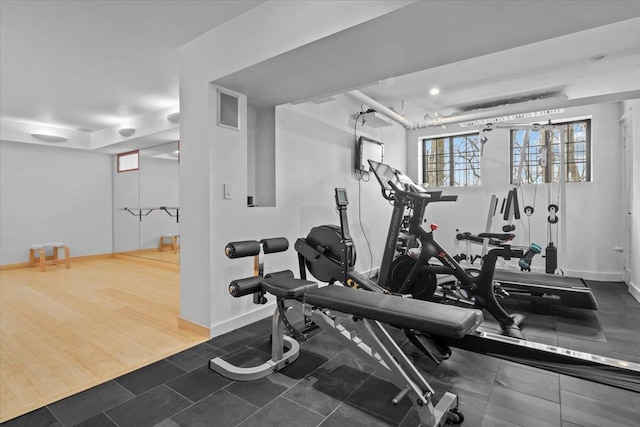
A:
[146,212]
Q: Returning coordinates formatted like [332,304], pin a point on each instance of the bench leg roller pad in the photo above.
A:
[279,358]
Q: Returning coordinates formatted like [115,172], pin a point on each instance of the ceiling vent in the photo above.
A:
[510,101]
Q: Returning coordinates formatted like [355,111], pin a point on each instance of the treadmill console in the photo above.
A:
[386,174]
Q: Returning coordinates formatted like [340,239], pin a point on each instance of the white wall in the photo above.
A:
[261,135]
[211,156]
[634,265]
[315,152]
[252,123]
[592,210]
[53,194]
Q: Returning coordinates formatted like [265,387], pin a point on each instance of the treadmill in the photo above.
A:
[546,288]
[541,288]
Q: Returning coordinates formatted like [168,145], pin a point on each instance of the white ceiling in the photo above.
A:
[481,52]
[579,66]
[96,64]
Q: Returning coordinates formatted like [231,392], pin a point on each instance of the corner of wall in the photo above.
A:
[634,290]
[229,325]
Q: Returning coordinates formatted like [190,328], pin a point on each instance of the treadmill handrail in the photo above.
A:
[431,196]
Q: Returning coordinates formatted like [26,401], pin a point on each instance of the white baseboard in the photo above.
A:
[243,320]
[634,290]
[592,275]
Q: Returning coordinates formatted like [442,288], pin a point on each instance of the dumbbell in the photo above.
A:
[525,262]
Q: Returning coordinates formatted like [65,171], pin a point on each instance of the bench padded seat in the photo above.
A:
[438,319]
[287,287]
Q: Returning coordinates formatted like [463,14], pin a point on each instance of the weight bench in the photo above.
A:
[370,340]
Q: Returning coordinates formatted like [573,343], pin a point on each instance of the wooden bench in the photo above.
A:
[42,255]
[169,240]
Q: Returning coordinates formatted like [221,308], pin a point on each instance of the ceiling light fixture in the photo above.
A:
[48,138]
[174,117]
[126,131]
[434,91]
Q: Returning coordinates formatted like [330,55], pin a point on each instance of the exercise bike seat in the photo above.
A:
[495,239]
[504,237]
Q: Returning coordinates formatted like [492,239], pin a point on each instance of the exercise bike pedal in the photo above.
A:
[518,318]
[500,292]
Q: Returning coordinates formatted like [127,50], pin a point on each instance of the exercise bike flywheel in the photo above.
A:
[328,240]
[425,284]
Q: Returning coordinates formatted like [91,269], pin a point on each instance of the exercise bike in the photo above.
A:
[329,255]
[417,274]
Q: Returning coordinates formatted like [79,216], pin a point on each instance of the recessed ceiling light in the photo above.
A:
[48,138]
[434,91]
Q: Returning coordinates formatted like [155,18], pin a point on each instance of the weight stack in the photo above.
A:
[551,258]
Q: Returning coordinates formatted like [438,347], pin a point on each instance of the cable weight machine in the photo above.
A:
[550,288]
[555,259]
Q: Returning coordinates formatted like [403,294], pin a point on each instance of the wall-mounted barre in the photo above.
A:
[147,211]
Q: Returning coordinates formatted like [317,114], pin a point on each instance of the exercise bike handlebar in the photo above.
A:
[431,196]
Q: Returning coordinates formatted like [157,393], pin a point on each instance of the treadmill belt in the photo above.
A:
[538,279]
[547,289]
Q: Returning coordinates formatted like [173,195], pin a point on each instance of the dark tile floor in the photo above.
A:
[327,386]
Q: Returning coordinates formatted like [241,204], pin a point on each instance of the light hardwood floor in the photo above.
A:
[65,330]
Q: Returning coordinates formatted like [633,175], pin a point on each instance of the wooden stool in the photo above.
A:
[42,256]
[172,242]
